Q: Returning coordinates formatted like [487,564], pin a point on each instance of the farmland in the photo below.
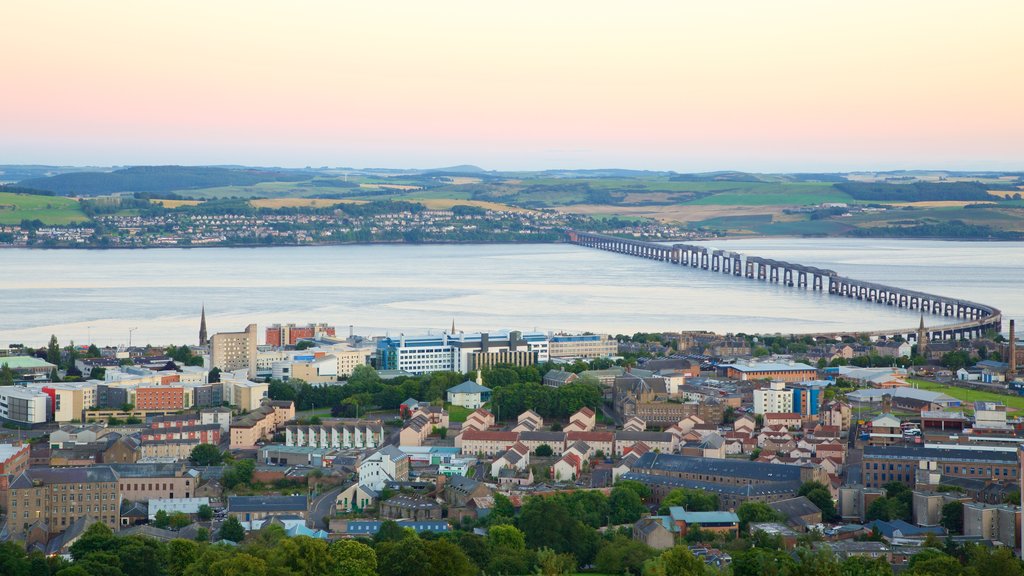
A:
[50,210]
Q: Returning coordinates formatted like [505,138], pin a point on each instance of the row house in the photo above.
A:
[204,433]
[479,419]
[355,434]
[515,458]
[260,424]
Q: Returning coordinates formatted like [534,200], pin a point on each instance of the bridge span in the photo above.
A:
[968,319]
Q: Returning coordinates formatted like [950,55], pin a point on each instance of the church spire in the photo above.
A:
[922,339]
[202,327]
[453,326]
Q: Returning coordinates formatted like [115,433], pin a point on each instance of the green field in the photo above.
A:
[968,395]
[50,210]
[458,413]
[767,194]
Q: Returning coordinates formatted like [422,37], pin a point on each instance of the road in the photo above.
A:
[323,505]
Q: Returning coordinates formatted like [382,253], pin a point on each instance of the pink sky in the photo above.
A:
[688,86]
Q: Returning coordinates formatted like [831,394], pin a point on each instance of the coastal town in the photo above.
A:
[867,448]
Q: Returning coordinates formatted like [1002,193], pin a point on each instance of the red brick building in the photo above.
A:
[290,334]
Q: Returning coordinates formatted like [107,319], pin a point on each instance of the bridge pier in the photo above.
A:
[787,276]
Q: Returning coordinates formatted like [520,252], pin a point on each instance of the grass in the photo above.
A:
[968,395]
[769,194]
[458,413]
[300,202]
[50,210]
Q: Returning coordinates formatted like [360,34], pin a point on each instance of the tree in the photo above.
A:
[758,562]
[232,530]
[551,563]
[625,505]
[623,555]
[390,531]
[820,496]
[676,561]
[953,516]
[6,375]
[544,450]
[53,351]
[97,373]
[691,500]
[95,538]
[214,375]
[863,566]
[206,455]
[931,562]
[641,489]
[161,519]
[505,538]
[548,523]
[502,507]
[351,558]
[205,513]
[179,520]
[202,534]
[756,512]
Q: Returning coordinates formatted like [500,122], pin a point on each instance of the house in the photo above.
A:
[719,522]
[568,467]
[249,508]
[655,531]
[556,378]
[635,424]
[603,442]
[662,442]
[784,419]
[485,442]
[479,419]
[516,458]
[410,507]
[534,440]
[885,430]
[581,449]
[469,394]
[585,416]
[355,498]
[406,408]
[799,512]
[528,421]
[459,490]
[387,464]
[415,431]
[745,423]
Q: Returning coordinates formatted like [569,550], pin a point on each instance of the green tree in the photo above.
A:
[205,513]
[95,538]
[623,556]
[544,450]
[232,530]
[815,563]
[206,455]
[758,562]
[625,505]
[179,520]
[93,352]
[676,561]
[551,563]
[953,516]
[390,531]
[756,512]
[820,495]
[548,523]
[931,562]
[862,566]
[202,534]
[53,351]
[351,558]
[691,500]
[505,538]
[161,519]
[181,553]
[503,507]
[240,564]
[641,489]
[6,375]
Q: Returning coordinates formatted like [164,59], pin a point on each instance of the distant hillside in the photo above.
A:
[157,179]
[460,169]
[916,191]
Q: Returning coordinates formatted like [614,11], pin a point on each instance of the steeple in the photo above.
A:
[202,327]
[922,339]
[453,326]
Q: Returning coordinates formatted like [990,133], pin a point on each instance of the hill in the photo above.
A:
[157,179]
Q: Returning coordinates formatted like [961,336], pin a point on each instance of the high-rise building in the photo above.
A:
[231,351]
[290,334]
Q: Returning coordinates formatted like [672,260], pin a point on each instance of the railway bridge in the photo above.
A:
[966,319]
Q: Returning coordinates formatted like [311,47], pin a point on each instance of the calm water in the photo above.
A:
[379,289]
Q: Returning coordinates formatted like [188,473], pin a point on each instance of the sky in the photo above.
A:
[757,85]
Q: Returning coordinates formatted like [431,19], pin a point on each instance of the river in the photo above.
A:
[389,289]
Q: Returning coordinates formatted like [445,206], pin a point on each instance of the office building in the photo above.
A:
[231,351]
[24,406]
[289,334]
[582,346]
[461,352]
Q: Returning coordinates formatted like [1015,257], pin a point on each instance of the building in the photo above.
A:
[655,531]
[886,430]
[60,496]
[484,442]
[160,398]
[289,334]
[582,346]
[13,461]
[70,399]
[461,352]
[775,371]
[556,378]
[172,505]
[884,464]
[998,522]
[260,424]
[799,512]
[241,392]
[784,419]
[718,522]
[24,406]
[231,351]
[249,508]
[735,481]
[389,464]
[341,434]
[28,368]
[774,397]
[143,482]
[410,507]
[469,394]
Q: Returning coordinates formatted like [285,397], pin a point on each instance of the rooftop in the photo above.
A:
[264,503]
